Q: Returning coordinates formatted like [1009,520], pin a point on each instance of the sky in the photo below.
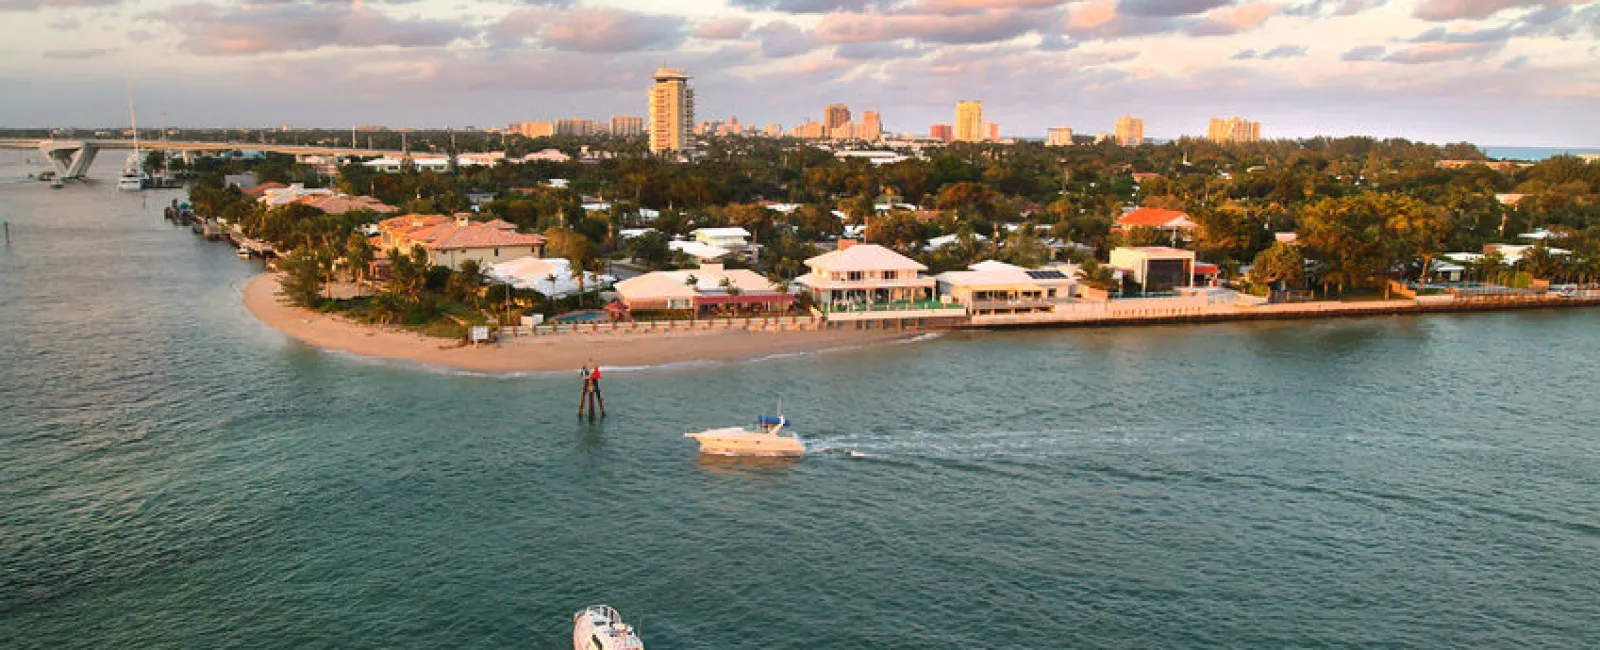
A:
[1494,72]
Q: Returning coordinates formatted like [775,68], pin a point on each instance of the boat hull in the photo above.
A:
[748,444]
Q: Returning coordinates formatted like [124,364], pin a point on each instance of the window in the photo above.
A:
[890,275]
[856,276]
[497,252]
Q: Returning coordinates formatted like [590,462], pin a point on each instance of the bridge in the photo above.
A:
[72,158]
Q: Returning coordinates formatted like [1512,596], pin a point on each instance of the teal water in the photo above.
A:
[174,474]
[1535,153]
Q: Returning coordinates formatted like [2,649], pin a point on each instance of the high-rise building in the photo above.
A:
[969,121]
[773,130]
[1130,131]
[836,115]
[811,130]
[577,126]
[533,129]
[871,127]
[623,126]
[941,132]
[1058,136]
[991,132]
[671,111]
[1233,129]
[846,131]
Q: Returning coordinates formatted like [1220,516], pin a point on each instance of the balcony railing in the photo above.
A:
[898,305]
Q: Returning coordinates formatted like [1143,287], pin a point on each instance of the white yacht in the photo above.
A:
[133,177]
[766,438]
[599,627]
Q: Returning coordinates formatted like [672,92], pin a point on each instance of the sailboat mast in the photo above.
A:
[133,119]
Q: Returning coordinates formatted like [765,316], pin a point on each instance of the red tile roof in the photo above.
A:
[261,190]
[1155,218]
[478,235]
[342,204]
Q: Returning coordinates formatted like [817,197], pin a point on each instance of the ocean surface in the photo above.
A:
[173,474]
[1534,153]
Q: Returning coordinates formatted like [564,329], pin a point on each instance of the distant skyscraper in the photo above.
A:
[941,132]
[1233,129]
[991,132]
[623,126]
[1130,131]
[969,121]
[534,129]
[773,130]
[671,111]
[1058,136]
[577,126]
[837,115]
[871,127]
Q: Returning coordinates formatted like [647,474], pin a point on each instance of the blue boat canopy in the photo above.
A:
[768,419]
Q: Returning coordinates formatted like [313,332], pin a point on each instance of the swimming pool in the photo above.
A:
[579,317]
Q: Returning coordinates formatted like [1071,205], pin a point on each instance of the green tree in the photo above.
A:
[358,255]
[302,277]
[1281,263]
[408,272]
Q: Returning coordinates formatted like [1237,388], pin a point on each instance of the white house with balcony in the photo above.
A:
[861,281]
[994,287]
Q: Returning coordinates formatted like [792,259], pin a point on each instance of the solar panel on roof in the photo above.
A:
[1047,275]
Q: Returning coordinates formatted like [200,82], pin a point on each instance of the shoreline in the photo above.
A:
[539,353]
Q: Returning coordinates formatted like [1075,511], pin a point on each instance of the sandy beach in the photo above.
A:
[535,353]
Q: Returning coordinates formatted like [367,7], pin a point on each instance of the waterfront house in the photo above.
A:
[342,203]
[450,241]
[1175,223]
[708,290]
[863,274]
[292,193]
[1155,268]
[993,287]
[552,277]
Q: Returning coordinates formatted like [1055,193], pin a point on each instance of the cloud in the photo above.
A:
[987,27]
[1233,20]
[257,28]
[723,29]
[1279,52]
[1168,8]
[876,51]
[1332,8]
[31,5]
[1515,64]
[1363,53]
[66,24]
[781,38]
[77,54]
[957,7]
[597,30]
[1441,52]
[805,6]
[1442,10]
[1441,35]
[1285,52]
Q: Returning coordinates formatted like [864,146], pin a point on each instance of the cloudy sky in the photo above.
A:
[1506,72]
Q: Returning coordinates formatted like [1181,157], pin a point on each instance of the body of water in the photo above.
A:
[175,474]
[1535,153]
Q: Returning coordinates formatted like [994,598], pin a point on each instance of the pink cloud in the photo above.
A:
[1245,16]
[600,30]
[986,27]
[1092,15]
[723,29]
[1441,10]
[974,6]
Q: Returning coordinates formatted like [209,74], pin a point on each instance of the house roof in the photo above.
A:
[661,285]
[1155,218]
[697,249]
[343,203]
[864,257]
[996,274]
[480,235]
[722,232]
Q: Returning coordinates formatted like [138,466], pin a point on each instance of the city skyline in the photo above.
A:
[1495,72]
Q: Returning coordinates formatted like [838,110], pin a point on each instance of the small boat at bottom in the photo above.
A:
[766,438]
[599,627]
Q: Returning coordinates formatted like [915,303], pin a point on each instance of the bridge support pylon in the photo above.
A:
[71,159]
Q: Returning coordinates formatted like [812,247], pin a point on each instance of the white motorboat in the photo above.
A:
[599,627]
[766,438]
